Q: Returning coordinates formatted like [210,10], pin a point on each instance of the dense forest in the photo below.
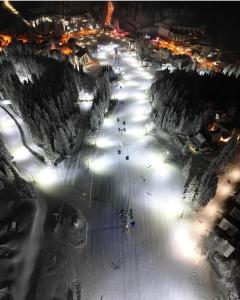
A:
[181,103]
[181,100]
[44,92]
[201,186]
[101,101]
[10,178]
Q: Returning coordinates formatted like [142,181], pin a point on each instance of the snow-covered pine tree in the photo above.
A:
[187,168]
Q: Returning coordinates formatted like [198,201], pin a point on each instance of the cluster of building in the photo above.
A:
[182,45]
[218,130]
[58,25]
[58,35]
[223,248]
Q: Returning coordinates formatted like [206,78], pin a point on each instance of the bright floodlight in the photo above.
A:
[47,177]
[234,175]
[6,124]
[139,118]
[21,153]
[169,207]
[6,102]
[129,77]
[150,127]
[99,165]
[104,142]
[131,83]
[183,243]
[138,96]
[155,159]
[85,106]
[121,95]
[108,122]
[102,55]
[136,132]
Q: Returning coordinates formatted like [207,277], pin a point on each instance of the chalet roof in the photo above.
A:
[198,140]
[225,248]
[227,226]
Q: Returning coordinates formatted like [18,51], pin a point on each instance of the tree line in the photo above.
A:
[181,100]
[180,104]
[47,100]
[10,178]
[201,186]
[102,97]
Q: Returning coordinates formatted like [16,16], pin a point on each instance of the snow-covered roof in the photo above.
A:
[228,226]
[225,248]
[200,138]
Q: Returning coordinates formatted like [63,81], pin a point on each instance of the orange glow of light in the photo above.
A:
[234,175]
[66,50]
[84,32]
[224,191]
[212,127]
[224,140]
[210,210]
[23,39]
[183,50]
[119,33]
[5,40]
[110,9]
[39,39]
[204,62]
[175,49]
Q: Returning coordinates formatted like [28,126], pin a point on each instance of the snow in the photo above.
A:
[29,166]
[159,255]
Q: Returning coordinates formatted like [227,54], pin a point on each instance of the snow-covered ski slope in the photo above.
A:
[158,258]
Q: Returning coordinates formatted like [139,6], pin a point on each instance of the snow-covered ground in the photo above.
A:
[158,258]
[29,166]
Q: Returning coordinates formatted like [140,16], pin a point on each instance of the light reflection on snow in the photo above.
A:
[108,122]
[7,124]
[104,142]
[139,117]
[21,153]
[184,246]
[100,165]
[164,203]
[47,177]
[85,106]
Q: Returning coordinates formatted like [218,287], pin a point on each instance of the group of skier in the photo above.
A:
[122,129]
[127,218]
